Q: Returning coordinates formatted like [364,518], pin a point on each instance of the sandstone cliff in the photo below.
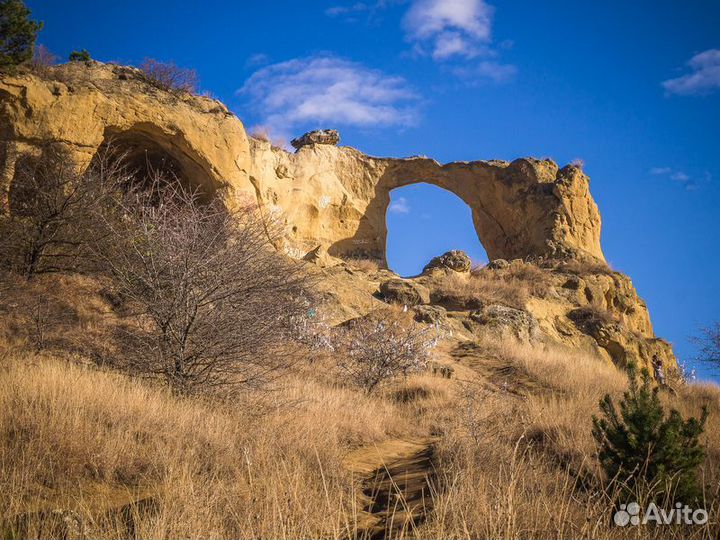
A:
[332,201]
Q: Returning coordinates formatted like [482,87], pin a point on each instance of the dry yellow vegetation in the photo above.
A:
[513,450]
[86,450]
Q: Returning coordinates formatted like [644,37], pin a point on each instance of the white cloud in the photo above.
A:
[257,59]
[450,28]
[487,70]
[326,91]
[400,206]
[704,76]
[336,11]
[680,177]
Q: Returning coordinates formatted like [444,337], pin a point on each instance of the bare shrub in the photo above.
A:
[212,306]
[264,133]
[42,61]
[261,133]
[169,77]
[48,228]
[709,343]
[382,346]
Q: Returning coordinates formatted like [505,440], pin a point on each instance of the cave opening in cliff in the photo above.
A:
[154,163]
[424,221]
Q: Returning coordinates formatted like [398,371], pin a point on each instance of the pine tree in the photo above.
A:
[79,56]
[641,446]
[17,33]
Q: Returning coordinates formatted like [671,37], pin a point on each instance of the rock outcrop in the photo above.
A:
[332,203]
[320,136]
[338,197]
[83,106]
[454,260]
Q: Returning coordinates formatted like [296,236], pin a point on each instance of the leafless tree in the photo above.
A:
[43,59]
[212,306]
[709,343]
[381,346]
[170,77]
[48,226]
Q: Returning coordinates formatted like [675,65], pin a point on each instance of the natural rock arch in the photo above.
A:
[337,197]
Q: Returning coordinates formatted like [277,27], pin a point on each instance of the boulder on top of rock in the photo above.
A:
[319,136]
[400,291]
[454,260]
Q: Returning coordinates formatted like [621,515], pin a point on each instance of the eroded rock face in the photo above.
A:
[332,201]
[320,136]
[400,291]
[338,197]
[91,104]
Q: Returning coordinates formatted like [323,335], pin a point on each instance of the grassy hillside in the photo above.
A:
[513,455]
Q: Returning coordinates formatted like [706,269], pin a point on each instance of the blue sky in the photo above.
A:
[632,89]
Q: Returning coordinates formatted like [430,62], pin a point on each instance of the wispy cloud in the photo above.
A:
[487,70]
[704,76]
[454,32]
[449,28]
[681,177]
[257,59]
[329,91]
[399,206]
[336,11]
[351,11]
[458,32]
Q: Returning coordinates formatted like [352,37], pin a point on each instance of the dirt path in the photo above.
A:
[396,497]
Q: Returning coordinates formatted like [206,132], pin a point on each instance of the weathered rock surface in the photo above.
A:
[455,260]
[338,197]
[320,136]
[89,104]
[429,314]
[507,321]
[400,291]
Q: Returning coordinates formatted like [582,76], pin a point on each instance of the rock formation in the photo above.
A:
[85,105]
[332,202]
[325,195]
[320,136]
[338,197]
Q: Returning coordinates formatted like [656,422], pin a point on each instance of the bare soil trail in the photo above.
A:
[397,487]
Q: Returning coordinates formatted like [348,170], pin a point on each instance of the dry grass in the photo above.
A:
[523,465]
[369,266]
[56,313]
[515,456]
[265,467]
[511,286]
[583,267]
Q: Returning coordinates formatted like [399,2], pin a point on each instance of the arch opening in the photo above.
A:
[423,221]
